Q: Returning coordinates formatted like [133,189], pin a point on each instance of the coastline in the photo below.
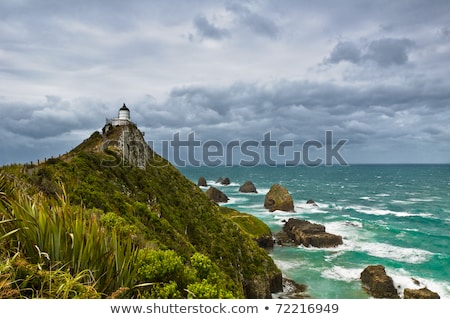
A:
[379,225]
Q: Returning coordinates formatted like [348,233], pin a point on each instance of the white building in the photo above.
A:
[123,118]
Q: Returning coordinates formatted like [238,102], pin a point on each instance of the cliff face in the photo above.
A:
[116,175]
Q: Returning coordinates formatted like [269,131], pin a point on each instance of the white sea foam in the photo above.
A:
[255,206]
[346,228]
[382,212]
[215,184]
[415,200]
[235,200]
[307,208]
[403,202]
[383,195]
[263,191]
[374,211]
[342,274]
[285,265]
[403,279]
[402,254]
[356,239]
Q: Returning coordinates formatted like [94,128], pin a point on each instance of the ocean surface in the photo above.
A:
[394,215]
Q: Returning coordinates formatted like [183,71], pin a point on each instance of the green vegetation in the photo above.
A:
[86,225]
[248,223]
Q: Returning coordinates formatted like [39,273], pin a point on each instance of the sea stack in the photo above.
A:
[202,182]
[378,283]
[216,195]
[278,198]
[248,187]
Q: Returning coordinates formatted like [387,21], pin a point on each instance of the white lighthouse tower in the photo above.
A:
[123,118]
[124,113]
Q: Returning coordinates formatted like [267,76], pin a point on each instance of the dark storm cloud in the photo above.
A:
[388,52]
[445,31]
[205,29]
[257,23]
[300,110]
[374,72]
[51,118]
[345,51]
[384,52]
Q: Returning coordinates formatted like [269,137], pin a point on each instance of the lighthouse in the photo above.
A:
[124,113]
[123,117]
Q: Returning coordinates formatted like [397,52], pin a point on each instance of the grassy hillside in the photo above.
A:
[96,226]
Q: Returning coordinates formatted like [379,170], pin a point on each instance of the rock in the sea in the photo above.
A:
[293,290]
[216,195]
[223,181]
[311,202]
[248,187]
[278,198]
[202,182]
[378,283]
[303,232]
[423,293]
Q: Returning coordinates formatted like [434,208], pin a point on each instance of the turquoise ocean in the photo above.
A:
[394,215]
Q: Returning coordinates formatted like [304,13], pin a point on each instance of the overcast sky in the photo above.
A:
[376,73]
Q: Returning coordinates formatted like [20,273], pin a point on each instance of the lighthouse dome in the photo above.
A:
[124,113]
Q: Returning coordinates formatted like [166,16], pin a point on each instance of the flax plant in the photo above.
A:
[70,238]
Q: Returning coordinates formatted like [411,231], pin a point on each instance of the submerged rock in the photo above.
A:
[278,198]
[311,202]
[423,293]
[302,232]
[202,182]
[248,187]
[223,181]
[293,290]
[377,283]
[216,195]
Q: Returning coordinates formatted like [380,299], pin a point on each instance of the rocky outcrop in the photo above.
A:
[223,181]
[248,187]
[423,293]
[202,182]
[293,290]
[263,287]
[303,232]
[311,202]
[278,198]
[276,282]
[265,241]
[216,195]
[377,283]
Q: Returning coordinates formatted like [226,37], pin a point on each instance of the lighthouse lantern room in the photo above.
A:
[123,118]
